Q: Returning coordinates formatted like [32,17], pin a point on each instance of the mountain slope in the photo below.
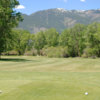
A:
[58,18]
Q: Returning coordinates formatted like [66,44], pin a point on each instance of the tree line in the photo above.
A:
[78,41]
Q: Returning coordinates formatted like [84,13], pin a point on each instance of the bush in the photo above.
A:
[12,52]
[55,52]
[31,53]
[89,52]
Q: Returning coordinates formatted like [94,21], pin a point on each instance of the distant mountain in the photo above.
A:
[58,18]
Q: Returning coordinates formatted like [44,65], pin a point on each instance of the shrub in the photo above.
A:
[55,52]
[89,52]
[12,52]
[31,53]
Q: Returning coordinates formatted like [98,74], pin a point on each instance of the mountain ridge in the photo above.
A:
[58,18]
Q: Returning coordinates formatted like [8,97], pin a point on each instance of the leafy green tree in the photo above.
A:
[52,37]
[93,40]
[77,40]
[9,18]
[31,42]
[21,40]
[74,39]
[64,37]
[39,41]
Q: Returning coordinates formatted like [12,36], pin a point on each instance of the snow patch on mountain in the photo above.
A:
[62,9]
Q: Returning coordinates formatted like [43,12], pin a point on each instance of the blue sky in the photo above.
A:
[31,6]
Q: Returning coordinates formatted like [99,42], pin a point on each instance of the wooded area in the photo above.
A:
[79,41]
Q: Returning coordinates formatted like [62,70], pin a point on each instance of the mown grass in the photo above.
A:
[41,78]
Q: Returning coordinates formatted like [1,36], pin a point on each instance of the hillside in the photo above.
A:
[58,18]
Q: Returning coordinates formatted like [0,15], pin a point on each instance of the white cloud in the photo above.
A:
[20,7]
[82,0]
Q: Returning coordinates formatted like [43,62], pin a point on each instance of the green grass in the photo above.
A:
[41,78]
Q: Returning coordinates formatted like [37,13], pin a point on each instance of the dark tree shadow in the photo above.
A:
[14,59]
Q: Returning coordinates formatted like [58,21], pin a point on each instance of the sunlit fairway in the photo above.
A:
[41,78]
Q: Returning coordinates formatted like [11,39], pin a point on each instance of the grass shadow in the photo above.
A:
[14,59]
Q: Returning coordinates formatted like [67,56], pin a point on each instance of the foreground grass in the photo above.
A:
[40,78]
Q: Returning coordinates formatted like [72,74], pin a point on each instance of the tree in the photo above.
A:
[52,37]
[64,37]
[39,41]
[74,39]
[31,42]
[77,40]
[9,18]
[21,40]
[93,40]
